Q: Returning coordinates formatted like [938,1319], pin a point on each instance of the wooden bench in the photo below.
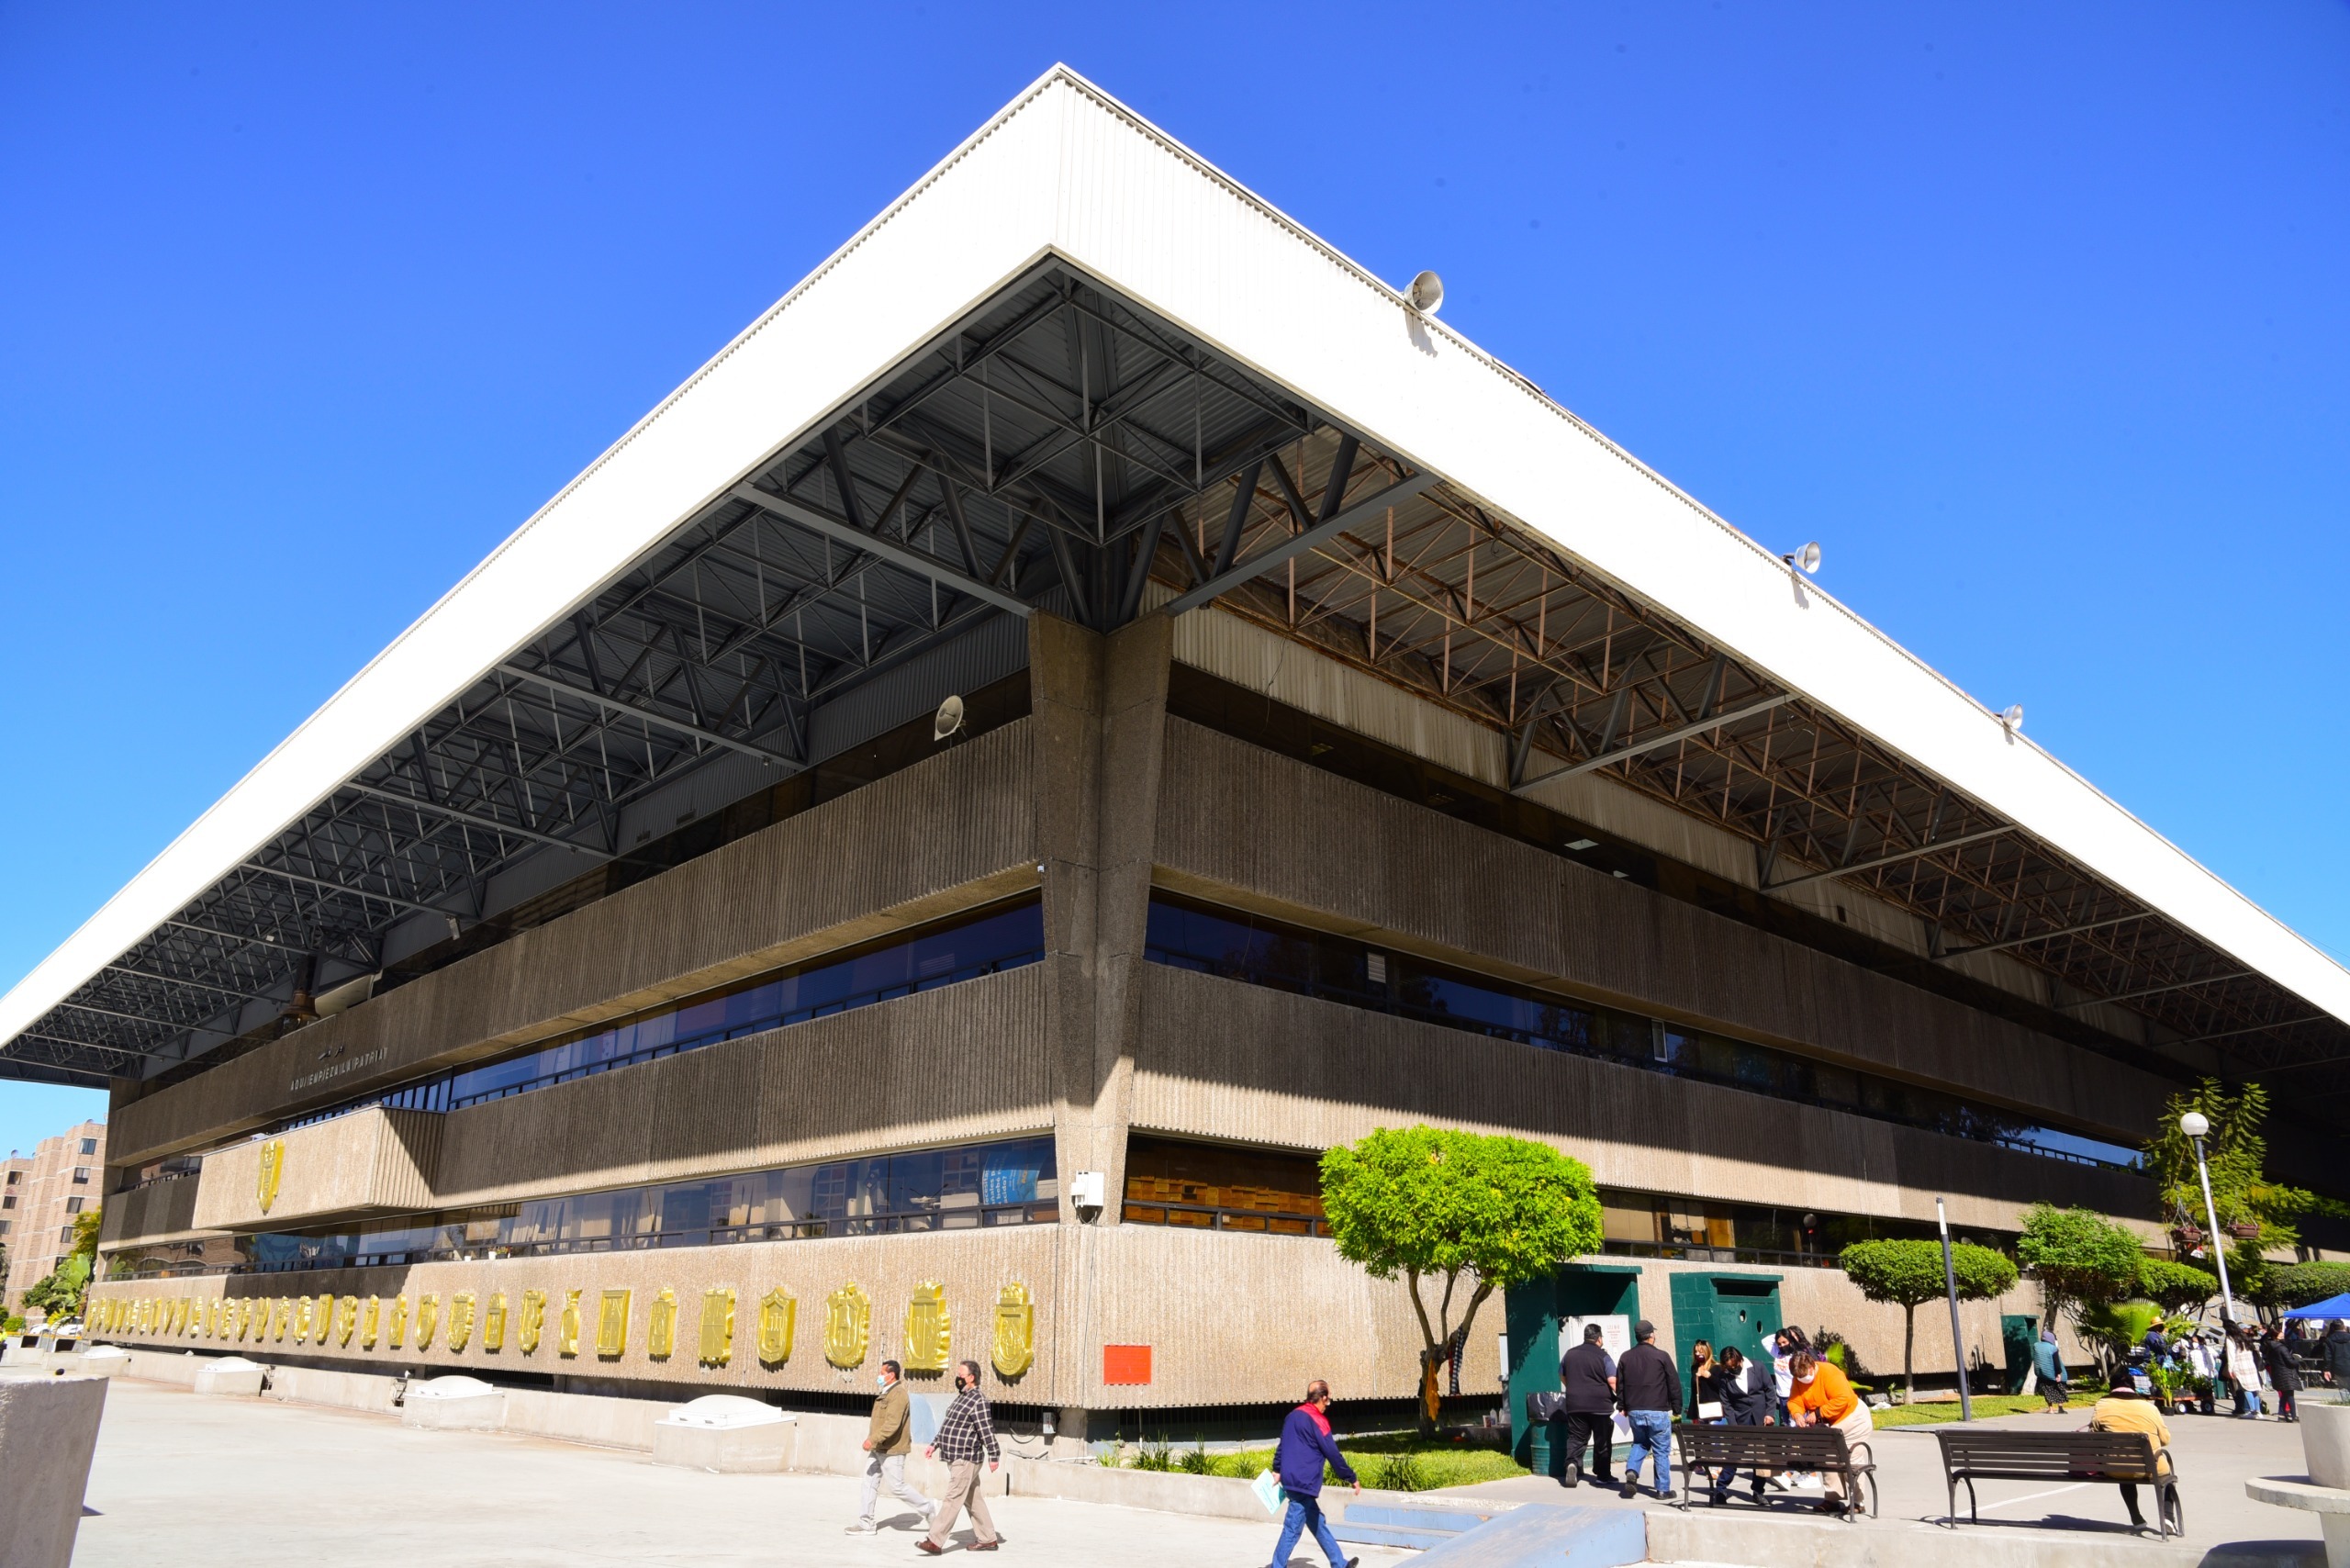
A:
[1761,1450]
[2116,1459]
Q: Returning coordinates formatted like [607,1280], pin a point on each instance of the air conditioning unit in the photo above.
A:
[1085,1189]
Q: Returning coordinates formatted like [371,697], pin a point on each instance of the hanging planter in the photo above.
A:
[2243,1230]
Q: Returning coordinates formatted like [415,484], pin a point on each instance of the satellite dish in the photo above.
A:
[2012,720]
[1805,560]
[1425,294]
[949,720]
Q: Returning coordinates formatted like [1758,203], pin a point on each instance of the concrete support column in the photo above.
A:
[1100,714]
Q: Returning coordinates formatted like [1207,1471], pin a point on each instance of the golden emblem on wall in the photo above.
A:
[661,1324]
[428,1318]
[778,1314]
[301,1319]
[267,1171]
[612,1324]
[322,1319]
[493,1323]
[717,1327]
[370,1322]
[284,1318]
[1015,1331]
[848,1324]
[346,1320]
[567,1329]
[461,1321]
[534,1317]
[927,1328]
[395,1331]
[179,1316]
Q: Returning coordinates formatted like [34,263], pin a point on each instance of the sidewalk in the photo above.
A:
[2215,1456]
[197,1481]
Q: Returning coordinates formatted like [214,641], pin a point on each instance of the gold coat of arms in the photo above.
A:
[661,1324]
[267,1171]
[848,1326]
[778,1314]
[717,1327]
[1015,1331]
[927,1328]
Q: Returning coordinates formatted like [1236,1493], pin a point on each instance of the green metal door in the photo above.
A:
[1725,1310]
[1533,1313]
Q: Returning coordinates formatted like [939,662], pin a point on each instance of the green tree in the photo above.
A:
[2304,1284]
[2080,1258]
[1454,1209]
[2175,1287]
[2111,1327]
[2256,1213]
[59,1294]
[1909,1273]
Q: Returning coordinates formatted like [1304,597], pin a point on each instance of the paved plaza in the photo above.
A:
[195,1481]
[2215,1456]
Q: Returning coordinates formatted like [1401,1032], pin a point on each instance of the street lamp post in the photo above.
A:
[2195,1125]
[1957,1343]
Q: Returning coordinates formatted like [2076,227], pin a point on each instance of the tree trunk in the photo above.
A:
[1431,1390]
[1909,1346]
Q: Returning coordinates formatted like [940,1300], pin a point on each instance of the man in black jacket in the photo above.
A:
[1587,1409]
[1649,1386]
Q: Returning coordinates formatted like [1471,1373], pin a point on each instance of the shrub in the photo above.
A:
[2180,1287]
[1157,1455]
[2303,1284]
[1397,1472]
[2079,1256]
[1196,1460]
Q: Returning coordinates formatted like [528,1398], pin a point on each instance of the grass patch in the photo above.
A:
[1396,1463]
[1985,1405]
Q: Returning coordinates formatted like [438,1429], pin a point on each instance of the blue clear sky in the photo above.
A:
[2033,316]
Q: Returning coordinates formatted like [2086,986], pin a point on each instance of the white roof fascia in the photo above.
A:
[1065,168]
[1161,224]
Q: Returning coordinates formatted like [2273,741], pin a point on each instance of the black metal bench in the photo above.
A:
[2116,1459]
[1763,1450]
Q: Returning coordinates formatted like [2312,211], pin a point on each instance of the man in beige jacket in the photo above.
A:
[887,1442]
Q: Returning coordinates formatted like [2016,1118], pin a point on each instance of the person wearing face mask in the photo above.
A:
[888,1440]
[965,1432]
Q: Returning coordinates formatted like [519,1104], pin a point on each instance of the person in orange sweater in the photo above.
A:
[1823,1396]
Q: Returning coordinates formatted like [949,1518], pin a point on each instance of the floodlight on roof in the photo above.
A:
[948,721]
[1805,560]
[1425,294]
[2012,720]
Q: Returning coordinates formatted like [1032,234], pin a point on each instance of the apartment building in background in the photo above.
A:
[42,1194]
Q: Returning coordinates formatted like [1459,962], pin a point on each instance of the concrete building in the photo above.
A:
[40,1197]
[1090,701]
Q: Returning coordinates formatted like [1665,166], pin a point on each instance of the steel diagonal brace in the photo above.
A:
[1297,544]
[1651,743]
[628,710]
[904,556]
[1894,858]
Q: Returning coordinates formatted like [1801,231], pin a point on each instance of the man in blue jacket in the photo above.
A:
[1305,1448]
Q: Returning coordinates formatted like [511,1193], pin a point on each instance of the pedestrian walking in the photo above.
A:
[1749,1397]
[2048,1360]
[2284,1373]
[2244,1371]
[1587,1405]
[888,1439]
[1648,1385]
[965,1433]
[1824,1397]
[2337,1354]
[1305,1446]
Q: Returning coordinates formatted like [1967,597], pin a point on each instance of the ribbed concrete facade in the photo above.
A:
[1089,805]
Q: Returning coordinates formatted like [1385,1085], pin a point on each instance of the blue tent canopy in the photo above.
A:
[2331,1306]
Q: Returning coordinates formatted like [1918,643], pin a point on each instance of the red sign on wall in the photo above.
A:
[1128,1364]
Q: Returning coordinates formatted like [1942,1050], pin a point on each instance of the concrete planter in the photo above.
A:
[726,1433]
[233,1376]
[48,1431]
[454,1405]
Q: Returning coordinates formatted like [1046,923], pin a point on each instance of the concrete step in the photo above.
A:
[1547,1534]
[1381,1535]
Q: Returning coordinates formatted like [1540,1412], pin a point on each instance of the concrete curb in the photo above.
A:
[1695,1536]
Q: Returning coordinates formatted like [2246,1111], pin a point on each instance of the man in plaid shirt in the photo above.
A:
[966,1432]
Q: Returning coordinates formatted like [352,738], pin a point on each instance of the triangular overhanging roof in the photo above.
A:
[1067,173]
